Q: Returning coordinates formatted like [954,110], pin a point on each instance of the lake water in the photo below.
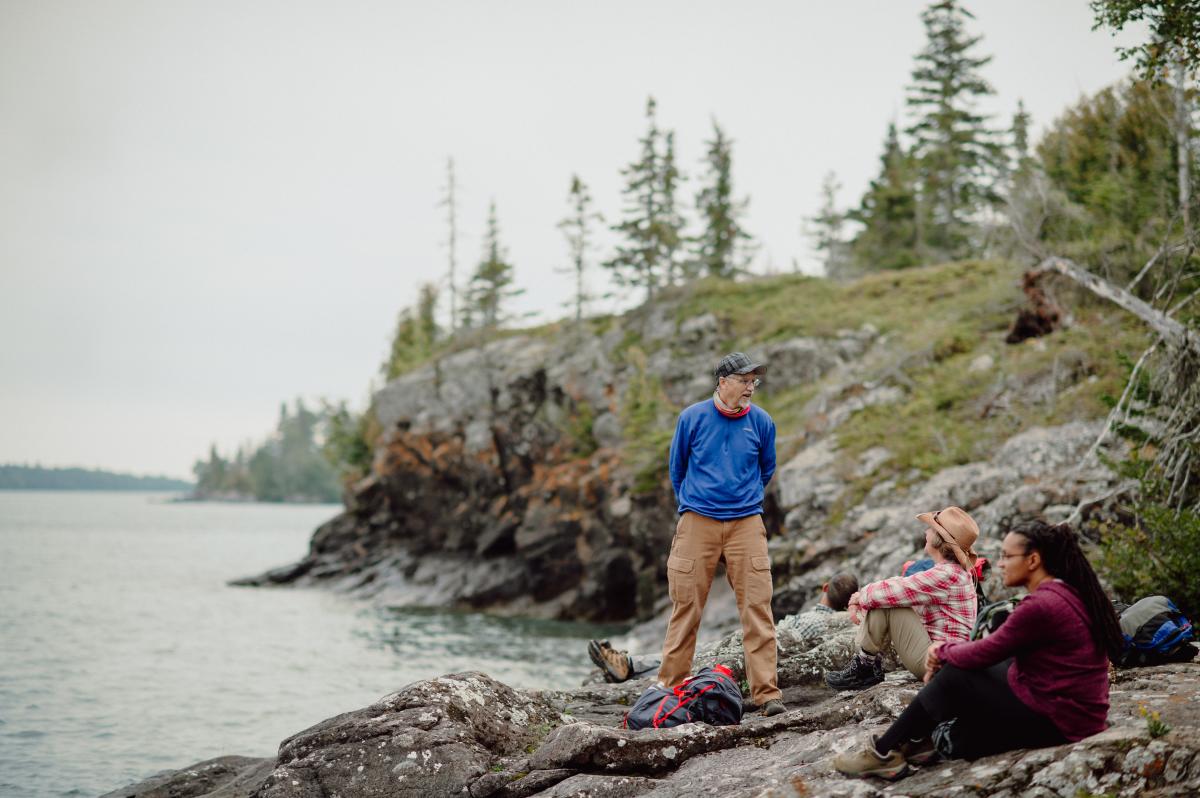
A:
[123,652]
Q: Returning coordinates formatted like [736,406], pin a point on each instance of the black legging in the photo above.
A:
[988,717]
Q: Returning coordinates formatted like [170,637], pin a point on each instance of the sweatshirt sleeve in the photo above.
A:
[1029,623]
[924,587]
[680,448]
[766,455]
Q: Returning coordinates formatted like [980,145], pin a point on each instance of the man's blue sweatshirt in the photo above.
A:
[720,465]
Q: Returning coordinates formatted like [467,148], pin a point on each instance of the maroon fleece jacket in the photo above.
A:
[1058,670]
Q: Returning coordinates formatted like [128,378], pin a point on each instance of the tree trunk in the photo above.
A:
[1183,129]
[1171,331]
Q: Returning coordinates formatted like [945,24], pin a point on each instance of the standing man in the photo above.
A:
[722,457]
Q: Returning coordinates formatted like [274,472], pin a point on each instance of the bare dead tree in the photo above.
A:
[1176,383]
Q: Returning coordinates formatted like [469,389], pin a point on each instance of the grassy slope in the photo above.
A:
[938,320]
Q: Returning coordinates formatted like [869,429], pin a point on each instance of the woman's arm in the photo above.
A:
[924,587]
[1029,624]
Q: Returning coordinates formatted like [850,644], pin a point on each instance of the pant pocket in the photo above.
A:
[758,587]
[681,578]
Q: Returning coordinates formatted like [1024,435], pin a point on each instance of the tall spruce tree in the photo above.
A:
[652,229]
[450,203]
[957,155]
[492,284]
[670,218]
[887,213]
[1019,134]
[718,245]
[827,229]
[577,229]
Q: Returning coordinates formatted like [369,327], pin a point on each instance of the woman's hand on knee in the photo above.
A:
[854,610]
[932,661]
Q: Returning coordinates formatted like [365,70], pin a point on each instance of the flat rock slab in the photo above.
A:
[466,734]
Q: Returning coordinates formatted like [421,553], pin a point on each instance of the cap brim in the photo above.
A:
[757,368]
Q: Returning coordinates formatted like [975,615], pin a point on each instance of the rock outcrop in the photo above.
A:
[466,734]
[509,477]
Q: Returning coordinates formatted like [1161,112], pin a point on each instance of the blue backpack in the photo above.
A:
[1155,632]
[711,696]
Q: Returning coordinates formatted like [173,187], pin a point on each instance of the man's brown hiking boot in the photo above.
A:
[773,707]
[615,664]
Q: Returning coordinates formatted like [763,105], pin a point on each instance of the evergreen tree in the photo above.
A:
[1113,160]
[826,229]
[1019,133]
[888,213]
[577,229]
[652,228]
[670,220]
[451,204]
[717,245]
[956,154]
[492,284]
[427,325]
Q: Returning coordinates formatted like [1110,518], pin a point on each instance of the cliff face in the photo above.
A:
[527,474]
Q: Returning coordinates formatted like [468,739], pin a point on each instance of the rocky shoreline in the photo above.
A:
[467,734]
[529,487]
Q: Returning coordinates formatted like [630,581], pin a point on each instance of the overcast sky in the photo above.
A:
[209,207]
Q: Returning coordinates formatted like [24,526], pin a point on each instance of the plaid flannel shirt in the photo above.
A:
[943,597]
[808,624]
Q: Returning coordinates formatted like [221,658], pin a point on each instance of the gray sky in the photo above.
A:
[209,207]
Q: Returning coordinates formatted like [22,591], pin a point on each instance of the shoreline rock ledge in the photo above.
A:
[466,734]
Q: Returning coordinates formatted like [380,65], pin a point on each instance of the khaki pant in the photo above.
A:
[903,627]
[699,544]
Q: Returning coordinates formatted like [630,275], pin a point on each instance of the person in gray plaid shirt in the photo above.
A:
[835,595]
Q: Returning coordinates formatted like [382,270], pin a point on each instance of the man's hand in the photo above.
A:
[854,609]
[933,662]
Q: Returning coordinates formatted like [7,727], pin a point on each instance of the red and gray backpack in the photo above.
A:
[711,696]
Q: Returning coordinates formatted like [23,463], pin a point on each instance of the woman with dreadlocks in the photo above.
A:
[1041,679]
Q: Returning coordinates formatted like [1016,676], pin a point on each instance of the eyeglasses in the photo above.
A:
[754,383]
[1004,556]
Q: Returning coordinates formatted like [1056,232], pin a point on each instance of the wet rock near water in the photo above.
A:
[466,734]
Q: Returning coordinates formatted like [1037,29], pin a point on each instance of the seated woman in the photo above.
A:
[930,606]
[1041,679]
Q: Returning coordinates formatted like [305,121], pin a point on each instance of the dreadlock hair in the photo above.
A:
[1059,547]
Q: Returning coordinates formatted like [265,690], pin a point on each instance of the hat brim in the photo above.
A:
[927,518]
[756,368]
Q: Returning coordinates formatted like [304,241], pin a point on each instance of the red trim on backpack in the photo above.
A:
[682,702]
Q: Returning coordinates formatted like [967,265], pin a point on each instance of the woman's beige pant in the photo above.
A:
[902,626]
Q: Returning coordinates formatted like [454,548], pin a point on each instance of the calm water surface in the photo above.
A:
[123,652]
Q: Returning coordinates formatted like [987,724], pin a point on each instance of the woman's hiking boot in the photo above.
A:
[865,761]
[860,674]
[920,752]
[615,664]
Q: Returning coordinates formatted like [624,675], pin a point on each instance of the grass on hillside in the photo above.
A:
[938,320]
[943,318]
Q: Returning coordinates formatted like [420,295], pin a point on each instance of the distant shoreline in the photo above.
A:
[25,477]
